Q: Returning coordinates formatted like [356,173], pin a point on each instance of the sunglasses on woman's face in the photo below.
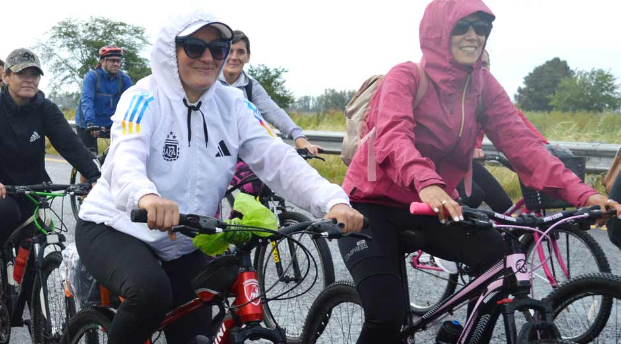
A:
[480,27]
[195,48]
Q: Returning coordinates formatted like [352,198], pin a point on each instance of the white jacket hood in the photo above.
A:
[164,55]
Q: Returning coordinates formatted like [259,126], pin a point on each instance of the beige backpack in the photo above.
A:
[357,111]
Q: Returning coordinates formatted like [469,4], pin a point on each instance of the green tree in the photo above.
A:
[71,48]
[540,85]
[274,83]
[588,91]
[333,100]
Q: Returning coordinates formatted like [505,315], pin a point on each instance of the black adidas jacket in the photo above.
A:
[22,141]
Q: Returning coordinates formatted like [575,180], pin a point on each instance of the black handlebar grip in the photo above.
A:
[139,215]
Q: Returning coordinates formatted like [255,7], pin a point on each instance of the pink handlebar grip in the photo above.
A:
[419,208]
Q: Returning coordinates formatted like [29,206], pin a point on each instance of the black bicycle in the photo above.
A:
[337,317]
[37,280]
[271,260]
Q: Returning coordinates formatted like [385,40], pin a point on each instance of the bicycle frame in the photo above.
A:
[507,277]
[248,309]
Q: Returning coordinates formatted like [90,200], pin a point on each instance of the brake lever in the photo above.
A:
[185,230]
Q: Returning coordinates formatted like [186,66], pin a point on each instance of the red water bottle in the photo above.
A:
[20,261]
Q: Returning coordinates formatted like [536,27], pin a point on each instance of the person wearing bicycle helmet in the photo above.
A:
[101,91]
[26,119]
[421,154]
[176,136]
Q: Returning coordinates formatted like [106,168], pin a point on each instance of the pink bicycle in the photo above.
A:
[569,251]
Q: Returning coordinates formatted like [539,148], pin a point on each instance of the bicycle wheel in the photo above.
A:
[282,265]
[583,308]
[336,316]
[580,254]
[427,286]
[5,320]
[61,307]
[89,325]
[76,201]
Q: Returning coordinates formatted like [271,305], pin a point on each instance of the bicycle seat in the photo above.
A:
[411,240]
[219,276]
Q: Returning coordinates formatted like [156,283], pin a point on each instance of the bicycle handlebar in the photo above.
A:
[104,133]
[304,153]
[192,225]
[78,189]
[480,218]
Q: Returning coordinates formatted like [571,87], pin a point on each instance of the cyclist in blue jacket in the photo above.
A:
[101,91]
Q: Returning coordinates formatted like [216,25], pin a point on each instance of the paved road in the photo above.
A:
[59,172]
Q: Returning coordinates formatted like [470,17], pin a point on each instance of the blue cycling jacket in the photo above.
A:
[99,100]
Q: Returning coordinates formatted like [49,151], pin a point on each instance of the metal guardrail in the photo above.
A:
[599,155]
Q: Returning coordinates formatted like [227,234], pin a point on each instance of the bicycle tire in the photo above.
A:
[324,315]
[294,316]
[551,341]
[85,324]
[585,254]
[5,321]
[76,201]
[61,307]
[437,286]
[570,297]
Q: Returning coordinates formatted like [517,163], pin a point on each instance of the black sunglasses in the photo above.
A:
[195,48]
[480,27]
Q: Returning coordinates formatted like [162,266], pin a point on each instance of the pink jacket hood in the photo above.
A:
[435,42]
[433,143]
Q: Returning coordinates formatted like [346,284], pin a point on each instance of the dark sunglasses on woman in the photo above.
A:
[480,27]
[195,48]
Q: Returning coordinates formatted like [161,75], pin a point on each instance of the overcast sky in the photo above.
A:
[339,43]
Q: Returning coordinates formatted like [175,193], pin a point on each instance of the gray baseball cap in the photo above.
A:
[21,59]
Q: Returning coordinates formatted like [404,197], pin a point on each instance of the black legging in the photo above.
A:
[485,188]
[129,268]
[374,264]
[614,224]
[13,212]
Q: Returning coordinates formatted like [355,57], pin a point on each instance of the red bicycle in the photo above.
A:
[229,276]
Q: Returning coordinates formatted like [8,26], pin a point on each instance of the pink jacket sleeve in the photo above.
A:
[531,126]
[394,123]
[537,168]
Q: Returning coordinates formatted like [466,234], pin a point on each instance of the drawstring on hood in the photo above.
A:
[191,108]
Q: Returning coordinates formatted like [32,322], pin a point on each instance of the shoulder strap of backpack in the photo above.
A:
[423,84]
[119,78]
[249,90]
[98,81]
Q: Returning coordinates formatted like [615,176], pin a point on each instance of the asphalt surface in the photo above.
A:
[60,170]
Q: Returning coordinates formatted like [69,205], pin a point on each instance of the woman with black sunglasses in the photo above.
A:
[176,136]
[421,154]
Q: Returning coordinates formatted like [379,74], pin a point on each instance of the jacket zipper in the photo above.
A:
[463,105]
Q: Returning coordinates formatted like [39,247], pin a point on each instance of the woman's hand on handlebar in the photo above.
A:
[302,142]
[348,216]
[605,204]
[163,214]
[441,202]
[2,191]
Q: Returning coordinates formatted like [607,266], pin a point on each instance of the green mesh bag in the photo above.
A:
[253,214]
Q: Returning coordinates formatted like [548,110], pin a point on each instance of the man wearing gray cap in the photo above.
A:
[26,118]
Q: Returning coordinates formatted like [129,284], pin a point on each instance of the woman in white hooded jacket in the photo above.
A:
[176,136]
